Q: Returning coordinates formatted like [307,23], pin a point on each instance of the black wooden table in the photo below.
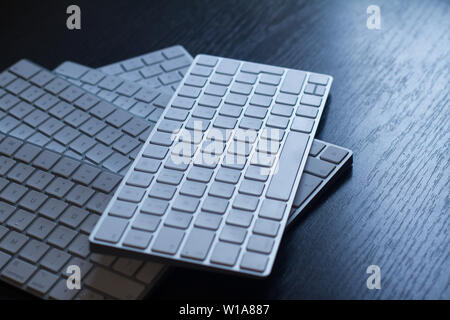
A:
[389,103]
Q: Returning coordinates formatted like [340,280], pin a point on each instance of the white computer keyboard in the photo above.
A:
[208,162]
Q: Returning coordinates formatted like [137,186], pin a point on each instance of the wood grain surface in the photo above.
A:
[389,103]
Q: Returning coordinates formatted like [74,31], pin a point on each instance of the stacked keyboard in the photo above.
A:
[326,163]
[163,69]
[142,102]
[231,143]
[127,112]
[49,203]
[48,111]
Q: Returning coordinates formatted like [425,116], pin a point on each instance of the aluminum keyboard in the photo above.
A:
[39,107]
[142,102]
[326,163]
[49,204]
[163,69]
[190,191]
[331,162]
[320,173]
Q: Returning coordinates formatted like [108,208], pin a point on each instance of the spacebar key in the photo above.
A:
[280,187]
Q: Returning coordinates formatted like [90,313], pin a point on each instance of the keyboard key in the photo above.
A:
[33,251]
[333,154]
[42,281]
[221,79]
[260,100]
[245,202]
[287,99]
[282,110]
[156,206]
[318,79]
[216,90]
[18,271]
[52,208]
[80,246]
[228,175]
[139,179]
[207,61]
[162,191]
[233,234]
[228,67]
[54,260]
[272,209]
[250,187]
[225,254]
[5,211]
[116,162]
[250,123]
[239,218]
[281,184]
[270,79]
[162,139]
[311,100]
[254,261]
[79,195]
[146,222]
[168,240]
[222,190]
[20,220]
[210,101]
[137,239]
[183,103]
[225,122]
[246,78]
[306,111]
[171,177]
[25,69]
[111,229]
[293,82]
[277,122]
[123,209]
[20,172]
[59,187]
[61,237]
[257,173]
[215,205]
[131,194]
[302,125]
[13,192]
[266,227]
[13,241]
[98,202]
[318,167]
[208,221]
[73,217]
[33,200]
[178,219]
[106,182]
[186,204]
[197,244]
[200,174]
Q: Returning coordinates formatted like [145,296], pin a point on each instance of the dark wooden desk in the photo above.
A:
[389,104]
